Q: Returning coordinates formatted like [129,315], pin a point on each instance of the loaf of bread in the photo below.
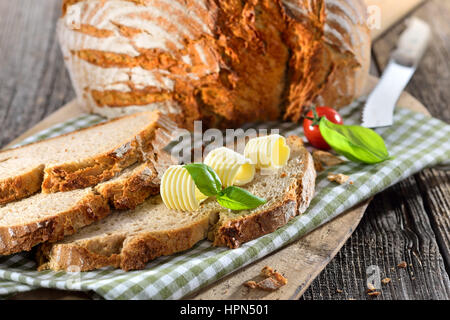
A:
[82,158]
[225,62]
[130,239]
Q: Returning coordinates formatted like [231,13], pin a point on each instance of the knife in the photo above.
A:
[379,108]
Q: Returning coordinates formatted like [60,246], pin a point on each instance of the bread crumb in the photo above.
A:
[339,291]
[283,174]
[386,280]
[370,287]
[273,280]
[374,293]
[269,272]
[327,159]
[402,265]
[251,284]
[318,165]
[338,177]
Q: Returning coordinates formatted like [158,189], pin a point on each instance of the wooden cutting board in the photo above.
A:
[300,261]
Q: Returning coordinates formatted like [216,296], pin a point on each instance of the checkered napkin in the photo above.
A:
[415,141]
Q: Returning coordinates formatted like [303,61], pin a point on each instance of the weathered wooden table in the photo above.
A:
[409,222]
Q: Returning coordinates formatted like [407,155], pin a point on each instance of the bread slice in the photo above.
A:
[47,217]
[79,159]
[132,187]
[288,193]
[127,240]
[130,239]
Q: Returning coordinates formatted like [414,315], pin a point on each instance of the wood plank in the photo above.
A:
[435,188]
[70,110]
[431,85]
[33,79]
[394,229]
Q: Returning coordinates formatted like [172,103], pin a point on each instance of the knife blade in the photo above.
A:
[379,108]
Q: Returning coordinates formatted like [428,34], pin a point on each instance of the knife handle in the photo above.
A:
[413,43]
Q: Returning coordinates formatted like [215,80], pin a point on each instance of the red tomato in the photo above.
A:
[311,128]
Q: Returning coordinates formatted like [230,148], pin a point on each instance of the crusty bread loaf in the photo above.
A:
[226,62]
[79,159]
[130,239]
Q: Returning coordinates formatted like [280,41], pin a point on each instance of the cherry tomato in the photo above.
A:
[311,127]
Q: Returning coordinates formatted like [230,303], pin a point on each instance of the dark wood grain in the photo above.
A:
[435,188]
[33,80]
[395,228]
[410,221]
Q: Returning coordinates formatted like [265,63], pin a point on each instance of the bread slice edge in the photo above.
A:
[90,208]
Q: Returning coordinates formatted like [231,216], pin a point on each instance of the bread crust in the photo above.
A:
[22,238]
[21,186]
[130,252]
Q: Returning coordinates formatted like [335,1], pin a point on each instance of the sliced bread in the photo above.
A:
[141,180]
[130,239]
[47,217]
[79,159]
[51,216]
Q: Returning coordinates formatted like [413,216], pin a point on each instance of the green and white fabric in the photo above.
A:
[415,141]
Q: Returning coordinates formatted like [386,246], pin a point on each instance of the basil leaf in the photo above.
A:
[356,143]
[205,178]
[236,198]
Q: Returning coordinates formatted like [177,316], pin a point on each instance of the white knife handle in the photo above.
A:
[413,43]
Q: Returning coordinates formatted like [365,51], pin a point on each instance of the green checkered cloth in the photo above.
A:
[416,141]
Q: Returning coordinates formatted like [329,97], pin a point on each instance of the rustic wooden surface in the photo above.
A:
[408,222]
